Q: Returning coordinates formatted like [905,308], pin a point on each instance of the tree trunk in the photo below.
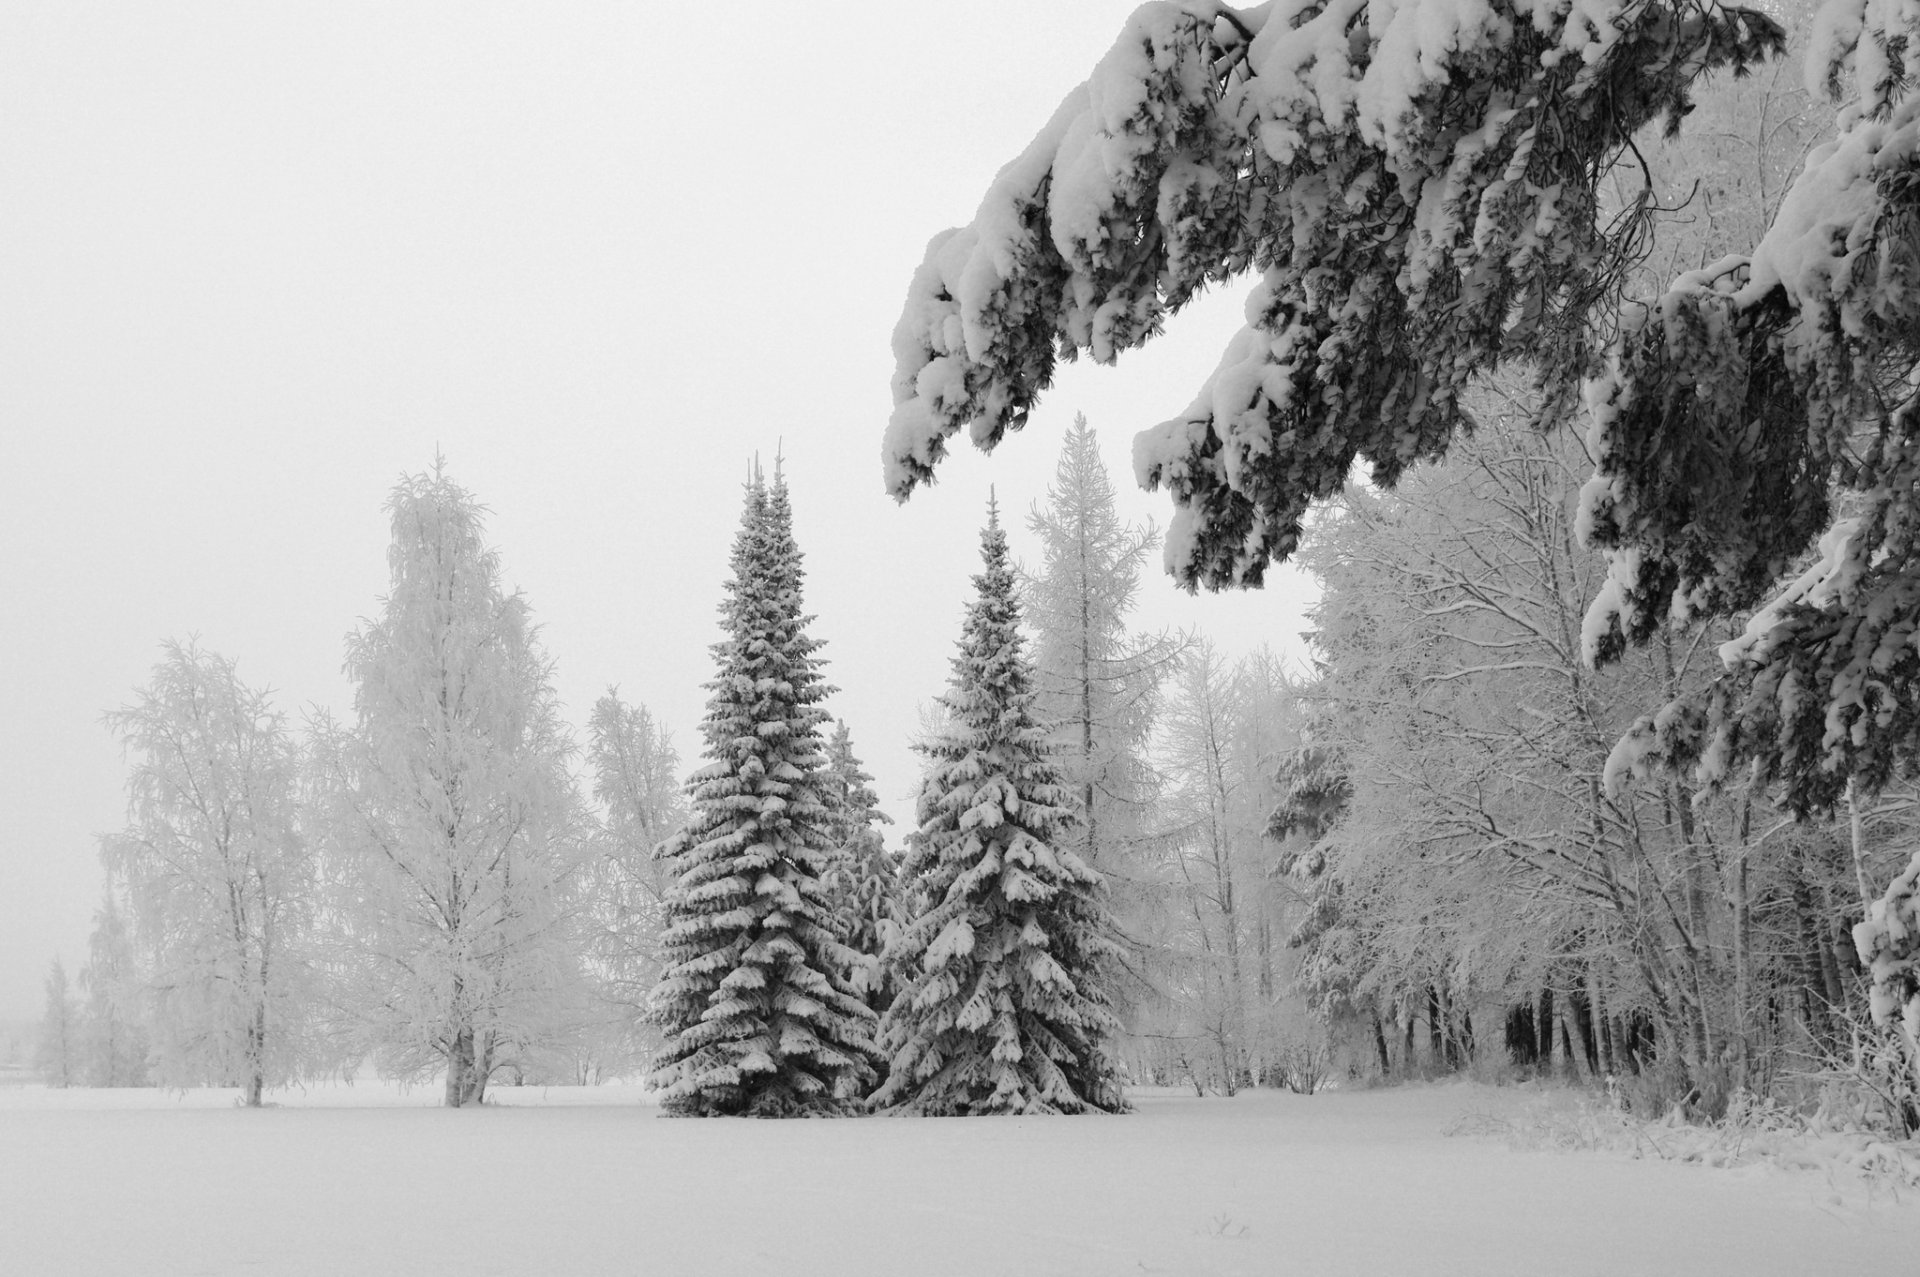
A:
[482,1070]
[1543,1025]
[256,1055]
[1436,1041]
[1523,1042]
[1567,1049]
[460,1067]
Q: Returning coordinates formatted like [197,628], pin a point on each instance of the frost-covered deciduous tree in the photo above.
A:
[116,1035]
[1483,863]
[1415,184]
[758,999]
[56,1055]
[1221,733]
[219,878]
[1003,1004]
[455,829]
[633,764]
[1207,855]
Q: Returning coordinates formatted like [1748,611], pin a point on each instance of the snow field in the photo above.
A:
[370,1180]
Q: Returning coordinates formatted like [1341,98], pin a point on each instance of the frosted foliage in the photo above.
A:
[757,998]
[633,763]
[115,1039]
[1001,1007]
[633,766]
[218,877]
[457,824]
[1415,182]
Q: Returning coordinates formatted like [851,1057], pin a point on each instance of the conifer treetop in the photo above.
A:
[1000,1009]
[756,997]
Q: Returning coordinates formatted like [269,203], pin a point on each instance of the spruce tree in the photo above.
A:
[756,1001]
[1003,1006]
[866,877]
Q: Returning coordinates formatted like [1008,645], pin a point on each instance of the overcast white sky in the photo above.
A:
[256,261]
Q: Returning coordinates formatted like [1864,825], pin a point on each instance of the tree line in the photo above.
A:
[1604,764]
[425,888]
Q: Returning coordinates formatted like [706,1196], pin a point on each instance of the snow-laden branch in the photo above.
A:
[1731,405]
[1416,181]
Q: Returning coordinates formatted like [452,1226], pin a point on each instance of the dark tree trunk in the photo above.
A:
[1523,1043]
[1436,1036]
[460,1071]
[1543,1025]
[1582,1017]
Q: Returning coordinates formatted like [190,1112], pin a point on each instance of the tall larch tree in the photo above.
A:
[1097,685]
[457,830]
[1003,1005]
[1095,682]
[219,878]
[757,1000]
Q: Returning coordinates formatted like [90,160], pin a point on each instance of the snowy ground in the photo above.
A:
[375,1181]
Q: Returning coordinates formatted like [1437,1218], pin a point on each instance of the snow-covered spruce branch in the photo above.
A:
[1417,184]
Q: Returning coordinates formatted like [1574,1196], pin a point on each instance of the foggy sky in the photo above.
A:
[256,262]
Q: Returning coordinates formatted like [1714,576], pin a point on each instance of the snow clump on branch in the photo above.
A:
[1415,180]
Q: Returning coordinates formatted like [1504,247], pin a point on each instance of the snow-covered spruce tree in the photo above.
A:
[56,1055]
[865,879]
[1003,1005]
[757,1000]
[454,823]
[220,880]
